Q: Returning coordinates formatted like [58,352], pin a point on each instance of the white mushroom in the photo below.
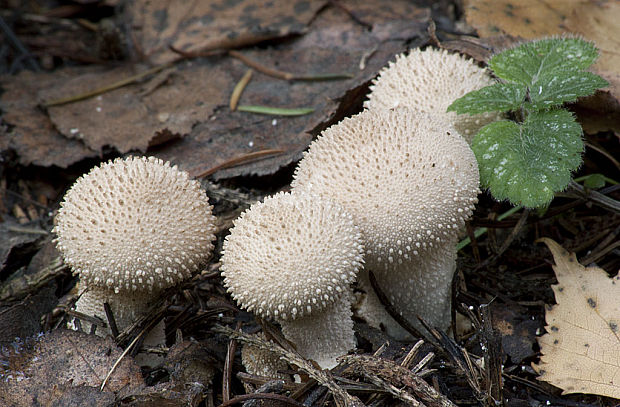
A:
[292,258]
[410,185]
[131,228]
[429,81]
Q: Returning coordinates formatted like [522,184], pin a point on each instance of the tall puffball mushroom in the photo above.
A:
[131,228]
[429,81]
[410,185]
[292,258]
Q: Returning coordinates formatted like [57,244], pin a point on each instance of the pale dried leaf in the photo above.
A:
[581,351]
[532,19]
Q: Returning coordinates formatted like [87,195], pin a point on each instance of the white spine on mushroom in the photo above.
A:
[429,81]
[410,185]
[291,258]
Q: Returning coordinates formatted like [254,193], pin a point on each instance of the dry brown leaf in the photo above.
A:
[530,19]
[192,100]
[194,26]
[581,350]
[32,134]
[63,366]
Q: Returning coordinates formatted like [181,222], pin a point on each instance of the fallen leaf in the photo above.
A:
[517,330]
[351,48]
[530,19]
[64,365]
[581,349]
[195,26]
[31,133]
[189,106]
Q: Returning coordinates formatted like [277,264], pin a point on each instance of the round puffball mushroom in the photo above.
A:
[409,184]
[292,258]
[131,228]
[429,81]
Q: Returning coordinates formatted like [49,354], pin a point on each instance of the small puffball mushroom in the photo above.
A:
[261,362]
[409,184]
[292,258]
[132,228]
[429,81]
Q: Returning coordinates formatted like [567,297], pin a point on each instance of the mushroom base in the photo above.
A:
[421,287]
[325,336]
[126,308]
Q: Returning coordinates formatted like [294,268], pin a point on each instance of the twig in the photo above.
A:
[391,309]
[19,229]
[107,88]
[238,90]
[323,377]
[125,352]
[397,377]
[605,153]
[286,75]
[594,196]
[238,161]
[228,365]
[111,320]
[17,44]
[268,396]
[271,386]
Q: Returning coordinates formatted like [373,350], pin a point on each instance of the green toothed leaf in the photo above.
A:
[527,62]
[498,97]
[527,163]
[556,88]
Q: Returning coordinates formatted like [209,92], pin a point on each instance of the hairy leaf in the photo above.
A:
[527,163]
[498,97]
[527,62]
[556,88]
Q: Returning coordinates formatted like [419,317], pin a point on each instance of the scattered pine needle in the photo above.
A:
[244,159]
[287,75]
[107,88]
[239,88]
[276,111]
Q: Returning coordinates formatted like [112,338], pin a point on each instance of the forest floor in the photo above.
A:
[86,81]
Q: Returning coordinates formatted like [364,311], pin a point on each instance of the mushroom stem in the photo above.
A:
[126,310]
[425,282]
[323,336]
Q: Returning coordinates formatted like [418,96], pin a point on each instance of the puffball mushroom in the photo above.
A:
[131,228]
[429,81]
[410,185]
[292,258]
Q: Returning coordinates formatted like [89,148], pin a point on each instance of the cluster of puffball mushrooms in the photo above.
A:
[387,190]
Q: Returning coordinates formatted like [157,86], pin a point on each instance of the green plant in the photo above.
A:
[527,159]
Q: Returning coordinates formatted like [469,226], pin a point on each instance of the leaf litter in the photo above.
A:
[182,114]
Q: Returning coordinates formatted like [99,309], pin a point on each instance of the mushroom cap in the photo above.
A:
[407,181]
[429,81]
[135,224]
[291,255]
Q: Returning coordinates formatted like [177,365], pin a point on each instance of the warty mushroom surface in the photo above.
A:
[410,185]
[429,81]
[131,228]
[292,258]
